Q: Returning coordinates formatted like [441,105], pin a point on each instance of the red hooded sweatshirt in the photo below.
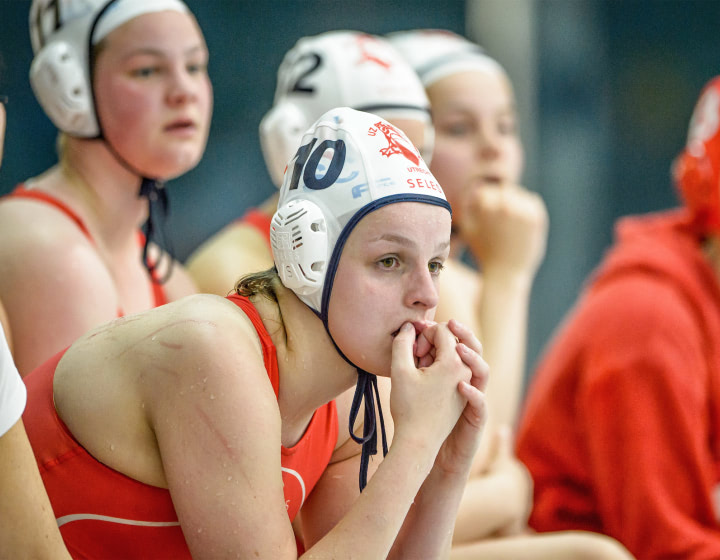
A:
[621,425]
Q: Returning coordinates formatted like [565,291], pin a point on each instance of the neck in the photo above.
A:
[312,372]
[104,191]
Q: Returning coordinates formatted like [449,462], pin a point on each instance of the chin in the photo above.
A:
[176,165]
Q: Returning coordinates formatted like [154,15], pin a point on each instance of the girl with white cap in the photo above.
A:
[209,426]
[125,82]
[502,226]
[333,69]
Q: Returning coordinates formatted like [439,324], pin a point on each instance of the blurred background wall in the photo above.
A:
[605,90]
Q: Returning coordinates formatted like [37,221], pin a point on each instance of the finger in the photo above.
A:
[426,361]
[422,346]
[479,367]
[442,339]
[475,411]
[402,348]
[465,335]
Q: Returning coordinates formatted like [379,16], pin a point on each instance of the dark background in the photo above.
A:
[605,91]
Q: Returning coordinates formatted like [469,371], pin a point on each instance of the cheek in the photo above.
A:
[451,164]
[205,98]
[517,161]
[122,109]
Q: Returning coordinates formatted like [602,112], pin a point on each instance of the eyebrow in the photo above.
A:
[405,241]
[157,52]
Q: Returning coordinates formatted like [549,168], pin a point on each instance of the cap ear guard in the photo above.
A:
[59,81]
[696,171]
[281,131]
[698,187]
[299,240]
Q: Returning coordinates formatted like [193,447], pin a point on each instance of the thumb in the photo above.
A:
[402,349]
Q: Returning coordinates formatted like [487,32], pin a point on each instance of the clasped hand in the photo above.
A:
[437,398]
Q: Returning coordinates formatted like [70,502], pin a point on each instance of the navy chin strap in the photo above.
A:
[158,207]
[367,388]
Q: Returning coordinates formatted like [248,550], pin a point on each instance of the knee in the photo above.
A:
[594,546]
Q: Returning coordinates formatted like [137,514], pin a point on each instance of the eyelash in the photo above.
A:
[439,265]
[149,71]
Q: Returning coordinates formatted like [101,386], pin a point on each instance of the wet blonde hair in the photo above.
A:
[258,283]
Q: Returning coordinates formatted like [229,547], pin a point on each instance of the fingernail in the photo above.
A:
[407,327]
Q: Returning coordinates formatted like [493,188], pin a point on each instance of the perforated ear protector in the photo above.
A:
[696,171]
[60,75]
[281,130]
[299,240]
[61,87]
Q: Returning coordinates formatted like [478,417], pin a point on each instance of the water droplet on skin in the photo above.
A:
[112,447]
[153,338]
[212,397]
[229,478]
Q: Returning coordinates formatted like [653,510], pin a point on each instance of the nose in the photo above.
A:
[421,290]
[183,86]
[487,143]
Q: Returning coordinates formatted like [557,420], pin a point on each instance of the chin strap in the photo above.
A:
[157,197]
[367,387]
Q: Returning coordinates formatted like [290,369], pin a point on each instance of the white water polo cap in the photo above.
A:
[338,69]
[350,163]
[63,34]
[437,53]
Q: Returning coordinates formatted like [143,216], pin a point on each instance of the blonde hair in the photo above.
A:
[258,283]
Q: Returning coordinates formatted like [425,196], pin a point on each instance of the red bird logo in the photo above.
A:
[365,44]
[397,143]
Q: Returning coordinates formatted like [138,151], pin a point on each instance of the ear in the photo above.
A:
[61,86]
[281,131]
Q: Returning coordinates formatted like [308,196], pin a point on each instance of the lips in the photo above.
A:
[181,125]
[419,327]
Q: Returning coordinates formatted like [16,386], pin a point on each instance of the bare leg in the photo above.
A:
[569,545]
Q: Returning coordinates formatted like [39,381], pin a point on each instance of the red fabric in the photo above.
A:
[259,220]
[159,296]
[78,484]
[621,424]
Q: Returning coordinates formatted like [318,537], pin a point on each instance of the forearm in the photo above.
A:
[428,529]
[503,313]
[28,529]
[375,518]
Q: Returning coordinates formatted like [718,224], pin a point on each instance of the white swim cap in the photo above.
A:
[60,33]
[337,69]
[350,164]
[437,53]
